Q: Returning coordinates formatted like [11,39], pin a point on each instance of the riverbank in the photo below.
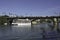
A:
[3,19]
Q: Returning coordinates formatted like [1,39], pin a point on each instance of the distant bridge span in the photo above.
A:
[34,17]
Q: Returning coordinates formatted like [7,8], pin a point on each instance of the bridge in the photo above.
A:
[54,19]
[35,17]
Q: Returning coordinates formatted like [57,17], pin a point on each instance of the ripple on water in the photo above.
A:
[28,33]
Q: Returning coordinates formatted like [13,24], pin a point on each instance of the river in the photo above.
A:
[33,32]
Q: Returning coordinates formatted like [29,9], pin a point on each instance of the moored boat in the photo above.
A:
[21,22]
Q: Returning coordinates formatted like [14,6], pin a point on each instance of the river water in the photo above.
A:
[33,32]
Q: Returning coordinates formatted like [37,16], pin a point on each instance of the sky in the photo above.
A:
[30,7]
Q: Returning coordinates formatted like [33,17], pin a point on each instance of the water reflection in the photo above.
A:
[34,32]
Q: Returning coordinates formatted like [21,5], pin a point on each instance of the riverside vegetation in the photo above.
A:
[3,19]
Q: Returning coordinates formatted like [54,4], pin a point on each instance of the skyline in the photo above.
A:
[30,7]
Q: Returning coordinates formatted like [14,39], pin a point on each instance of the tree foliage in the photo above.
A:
[3,19]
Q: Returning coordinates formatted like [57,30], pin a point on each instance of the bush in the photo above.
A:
[3,20]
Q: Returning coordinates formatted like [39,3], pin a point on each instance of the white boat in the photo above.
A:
[21,22]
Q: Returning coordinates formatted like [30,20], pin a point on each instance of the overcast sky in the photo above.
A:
[30,7]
